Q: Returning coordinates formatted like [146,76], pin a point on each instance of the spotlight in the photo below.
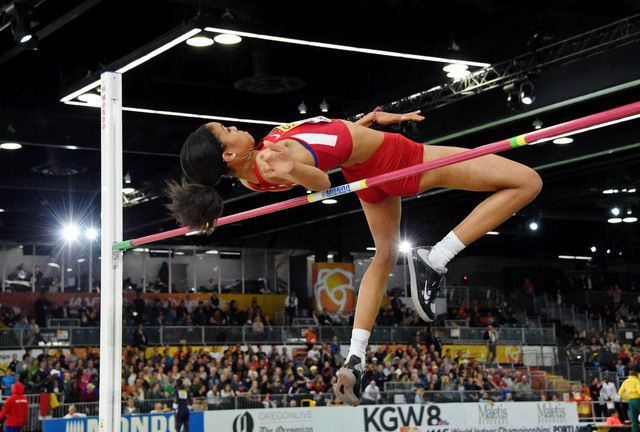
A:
[456,70]
[615,211]
[527,93]
[512,96]
[302,108]
[91,233]
[533,226]
[405,247]
[21,31]
[70,233]
[537,124]
[324,106]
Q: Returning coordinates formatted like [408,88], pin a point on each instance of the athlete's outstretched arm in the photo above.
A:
[277,163]
[382,117]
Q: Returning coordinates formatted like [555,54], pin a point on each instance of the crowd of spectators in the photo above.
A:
[260,376]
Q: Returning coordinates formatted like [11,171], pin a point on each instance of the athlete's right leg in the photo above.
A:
[384,222]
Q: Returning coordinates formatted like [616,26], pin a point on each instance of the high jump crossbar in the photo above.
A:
[538,136]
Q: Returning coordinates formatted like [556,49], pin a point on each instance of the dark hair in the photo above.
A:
[194,201]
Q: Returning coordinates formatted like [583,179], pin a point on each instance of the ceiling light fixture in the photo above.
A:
[92,99]
[533,226]
[615,211]
[199,41]
[227,39]
[191,115]
[527,93]
[10,146]
[330,201]
[630,219]
[537,124]
[614,220]
[302,108]
[563,140]
[21,28]
[344,47]
[575,257]
[324,106]
[183,36]
[457,70]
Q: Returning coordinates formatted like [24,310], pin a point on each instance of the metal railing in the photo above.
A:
[212,335]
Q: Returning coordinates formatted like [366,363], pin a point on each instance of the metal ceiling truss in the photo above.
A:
[588,44]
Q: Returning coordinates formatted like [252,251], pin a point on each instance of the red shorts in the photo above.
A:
[395,152]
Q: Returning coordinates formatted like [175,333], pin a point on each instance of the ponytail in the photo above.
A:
[193,204]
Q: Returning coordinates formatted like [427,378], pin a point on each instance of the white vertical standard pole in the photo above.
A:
[111,262]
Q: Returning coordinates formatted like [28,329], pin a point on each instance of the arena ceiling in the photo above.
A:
[582,58]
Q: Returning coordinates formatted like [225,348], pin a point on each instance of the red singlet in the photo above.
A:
[328,141]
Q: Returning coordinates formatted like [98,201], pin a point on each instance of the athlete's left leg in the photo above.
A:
[514,186]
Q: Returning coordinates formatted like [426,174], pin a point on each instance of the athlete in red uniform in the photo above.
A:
[300,153]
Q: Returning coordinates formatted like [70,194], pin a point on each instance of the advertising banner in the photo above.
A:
[451,417]
[448,417]
[333,287]
[128,423]
[504,353]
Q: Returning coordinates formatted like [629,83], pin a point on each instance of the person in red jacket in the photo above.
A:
[15,409]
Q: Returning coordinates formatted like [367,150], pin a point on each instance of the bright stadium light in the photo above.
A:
[91,233]
[70,233]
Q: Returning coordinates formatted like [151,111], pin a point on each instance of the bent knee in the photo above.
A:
[532,184]
[385,259]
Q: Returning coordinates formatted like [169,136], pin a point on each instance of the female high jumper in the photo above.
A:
[301,153]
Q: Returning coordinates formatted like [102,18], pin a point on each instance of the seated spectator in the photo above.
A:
[7,382]
[371,394]
[313,354]
[158,408]
[72,413]
[582,399]
[155,392]
[199,405]
[311,338]
[257,326]
[131,407]
[214,399]
[324,319]
[89,394]
[614,419]
[523,390]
